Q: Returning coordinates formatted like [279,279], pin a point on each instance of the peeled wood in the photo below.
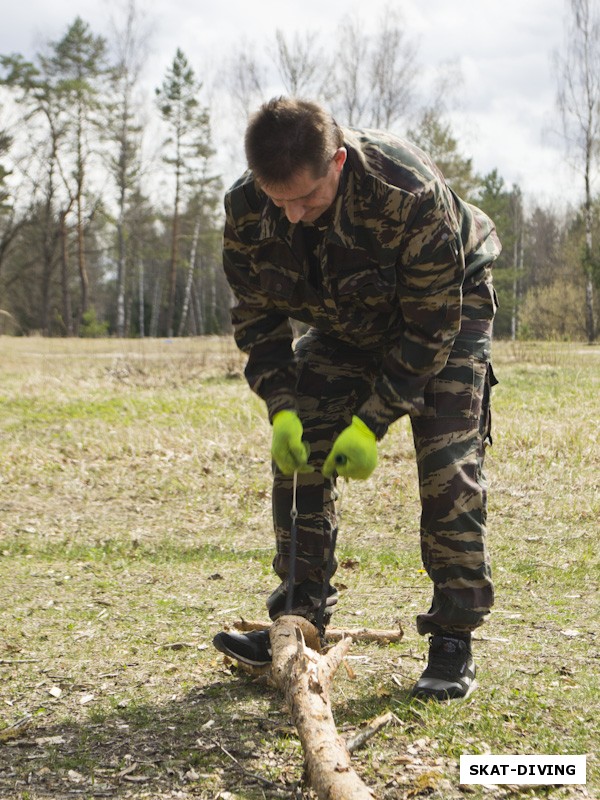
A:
[305,676]
[367,733]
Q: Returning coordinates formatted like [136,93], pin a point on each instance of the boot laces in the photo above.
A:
[447,659]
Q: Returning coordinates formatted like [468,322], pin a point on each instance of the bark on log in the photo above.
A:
[367,733]
[381,636]
[304,676]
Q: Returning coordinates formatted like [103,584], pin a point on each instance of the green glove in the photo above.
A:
[354,454]
[289,452]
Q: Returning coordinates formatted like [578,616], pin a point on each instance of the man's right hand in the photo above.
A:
[289,452]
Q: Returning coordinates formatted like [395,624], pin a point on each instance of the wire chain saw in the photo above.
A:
[336,497]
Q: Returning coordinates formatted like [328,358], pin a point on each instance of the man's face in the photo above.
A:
[304,198]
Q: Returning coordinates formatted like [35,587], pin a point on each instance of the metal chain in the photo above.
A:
[294,511]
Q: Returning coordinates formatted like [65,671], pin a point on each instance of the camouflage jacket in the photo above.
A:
[395,259]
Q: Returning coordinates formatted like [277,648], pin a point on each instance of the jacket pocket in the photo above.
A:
[368,287]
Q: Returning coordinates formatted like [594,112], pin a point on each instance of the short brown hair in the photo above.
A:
[287,135]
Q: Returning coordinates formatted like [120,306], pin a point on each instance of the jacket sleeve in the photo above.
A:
[260,330]
[430,274]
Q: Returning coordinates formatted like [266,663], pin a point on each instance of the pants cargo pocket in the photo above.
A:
[459,389]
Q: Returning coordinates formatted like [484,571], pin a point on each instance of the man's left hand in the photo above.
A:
[354,454]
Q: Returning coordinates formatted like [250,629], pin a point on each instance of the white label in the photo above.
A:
[539,770]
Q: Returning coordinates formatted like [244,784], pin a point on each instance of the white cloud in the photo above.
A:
[506,103]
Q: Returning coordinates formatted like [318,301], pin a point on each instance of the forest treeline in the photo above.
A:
[111,203]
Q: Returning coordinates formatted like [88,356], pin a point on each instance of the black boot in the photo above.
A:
[450,671]
[305,602]
[252,648]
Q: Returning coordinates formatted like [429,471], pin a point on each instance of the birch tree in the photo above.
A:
[300,63]
[5,142]
[245,79]
[393,69]
[124,131]
[373,76]
[202,209]
[517,221]
[350,87]
[578,70]
[6,226]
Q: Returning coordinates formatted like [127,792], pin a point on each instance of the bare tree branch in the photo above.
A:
[300,63]
[578,99]
[392,71]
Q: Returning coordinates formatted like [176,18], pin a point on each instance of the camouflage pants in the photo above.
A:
[450,436]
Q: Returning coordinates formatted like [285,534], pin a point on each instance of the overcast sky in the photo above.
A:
[507,116]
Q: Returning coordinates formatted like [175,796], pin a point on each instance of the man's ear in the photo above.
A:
[339,158]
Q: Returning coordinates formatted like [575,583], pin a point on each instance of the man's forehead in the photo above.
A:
[298,187]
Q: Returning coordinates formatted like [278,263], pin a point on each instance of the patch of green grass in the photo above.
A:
[136,522]
[120,552]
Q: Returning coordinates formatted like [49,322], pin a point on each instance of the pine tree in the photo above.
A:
[435,137]
[505,208]
[75,69]
[187,145]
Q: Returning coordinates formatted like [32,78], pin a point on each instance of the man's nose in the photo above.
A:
[294,211]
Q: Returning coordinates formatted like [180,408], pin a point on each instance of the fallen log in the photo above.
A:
[380,636]
[304,676]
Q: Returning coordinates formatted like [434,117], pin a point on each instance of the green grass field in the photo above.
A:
[135,523]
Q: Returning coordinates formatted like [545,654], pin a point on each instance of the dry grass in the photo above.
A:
[134,489]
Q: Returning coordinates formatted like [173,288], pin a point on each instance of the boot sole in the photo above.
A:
[222,648]
[423,694]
